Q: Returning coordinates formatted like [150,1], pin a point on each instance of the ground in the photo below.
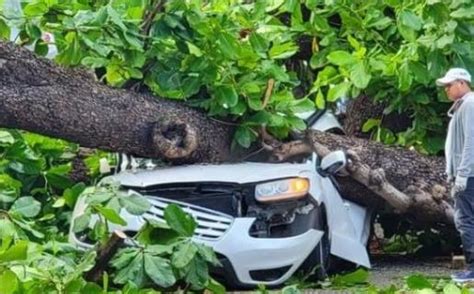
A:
[392,270]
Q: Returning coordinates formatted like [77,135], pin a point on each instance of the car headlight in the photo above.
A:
[294,188]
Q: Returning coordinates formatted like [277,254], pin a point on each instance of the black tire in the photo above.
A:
[317,263]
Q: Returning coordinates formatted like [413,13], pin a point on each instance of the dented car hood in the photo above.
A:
[234,173]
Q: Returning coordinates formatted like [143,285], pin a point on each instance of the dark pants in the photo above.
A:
[464,221]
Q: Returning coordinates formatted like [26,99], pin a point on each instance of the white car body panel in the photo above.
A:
[261,253]
[233,173]
[345,224]
[326,122]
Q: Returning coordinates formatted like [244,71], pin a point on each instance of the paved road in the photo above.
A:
[392,270]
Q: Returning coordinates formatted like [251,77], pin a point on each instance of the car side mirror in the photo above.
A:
[332,163]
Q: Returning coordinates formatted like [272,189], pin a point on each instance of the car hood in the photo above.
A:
[235,173]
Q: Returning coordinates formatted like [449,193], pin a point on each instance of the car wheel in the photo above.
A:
[317,263]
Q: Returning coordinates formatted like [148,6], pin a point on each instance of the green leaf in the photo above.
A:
[301,105]
[360,76]
[159,270]
[341,58]
[292,289]
[260,118]
[111,215]
[411,20]
[215,287]
[15,252]
[418,282]
[94,62]
[282,51]
[179,221]
[444,41]
[244,136]
[70,195]
[154,232]
[35,9]
[184,254]
[58,176]
[451,289]
[197,273]
[320,102]
[419,72]
[255,103]
[359,276]
[422,99]
[370,124]
[9,188]
[6,138]
[135,204]
[26,206]
[405,78]
[134,271]
[9,282]
[226,95]
[4,31]
[115,18]
[296,123]
[98,195]
[467,13]
[325,77]
[208,254]
[259,44]
[33,31]
[193,49]
[228,45]
[124,257]
[7,228]
[81,222]
[406,32]
[275,71]
[41,48]
[338,91]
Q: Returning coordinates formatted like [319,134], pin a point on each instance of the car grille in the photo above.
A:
[211,225]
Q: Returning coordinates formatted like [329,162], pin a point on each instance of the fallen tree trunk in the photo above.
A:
[37,96]
[411,183]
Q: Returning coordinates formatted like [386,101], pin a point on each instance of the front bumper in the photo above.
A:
[230,238]
[247,254]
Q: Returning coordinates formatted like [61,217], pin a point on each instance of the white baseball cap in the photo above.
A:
[452,75]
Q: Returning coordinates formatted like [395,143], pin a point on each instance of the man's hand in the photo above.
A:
[459,186]
[449,179]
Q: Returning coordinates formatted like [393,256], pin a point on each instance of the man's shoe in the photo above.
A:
[465,276]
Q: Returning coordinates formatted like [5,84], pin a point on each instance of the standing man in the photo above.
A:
[459,152]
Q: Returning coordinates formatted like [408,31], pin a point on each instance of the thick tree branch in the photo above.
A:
[38,96]
[411,183]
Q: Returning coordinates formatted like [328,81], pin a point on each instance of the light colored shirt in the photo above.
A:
[459,148]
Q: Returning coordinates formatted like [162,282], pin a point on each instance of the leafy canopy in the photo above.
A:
[222,55]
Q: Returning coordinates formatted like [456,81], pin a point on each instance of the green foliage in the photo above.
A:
[220,55]
[106,201]
[36,198]
[167,254]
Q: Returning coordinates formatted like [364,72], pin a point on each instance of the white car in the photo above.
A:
[264,220]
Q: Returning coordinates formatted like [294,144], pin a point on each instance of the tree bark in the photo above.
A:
[104,254]
[409,182]
[38,96]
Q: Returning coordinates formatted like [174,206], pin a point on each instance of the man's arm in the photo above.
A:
[466,166]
